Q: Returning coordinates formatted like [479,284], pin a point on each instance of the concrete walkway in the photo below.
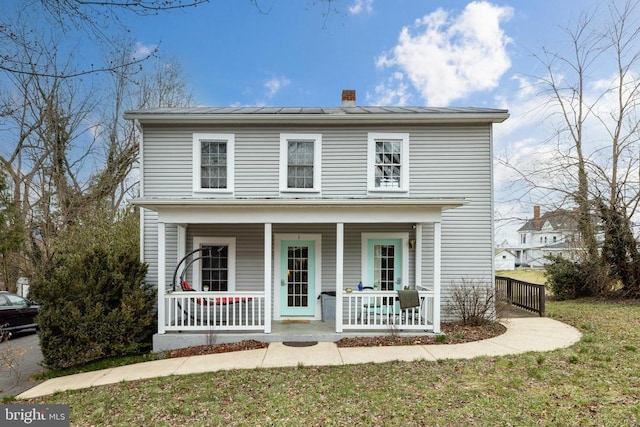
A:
[523,335]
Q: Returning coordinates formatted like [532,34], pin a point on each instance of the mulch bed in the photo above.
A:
[216,348]
[455,333]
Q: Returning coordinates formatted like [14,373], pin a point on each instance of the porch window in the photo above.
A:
[213,163]
[388,168]
[300,164]
[215,270]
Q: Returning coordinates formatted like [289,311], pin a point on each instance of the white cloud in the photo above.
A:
[448,57]
[274,85]
[395,91]
[361,6]
[143,50]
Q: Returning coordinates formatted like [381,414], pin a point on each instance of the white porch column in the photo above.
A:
[267,277]
[182,242]
[418,249]
[437,258]
[339,274]
[181,249]
[162,276]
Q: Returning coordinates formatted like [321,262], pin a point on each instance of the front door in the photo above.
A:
[385,264]
[297,291]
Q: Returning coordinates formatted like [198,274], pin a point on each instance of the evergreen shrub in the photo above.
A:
[94,303]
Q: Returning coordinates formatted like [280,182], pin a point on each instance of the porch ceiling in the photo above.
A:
[236,211]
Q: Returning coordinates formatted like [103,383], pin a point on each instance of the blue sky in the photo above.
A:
[392,52]
[297,55]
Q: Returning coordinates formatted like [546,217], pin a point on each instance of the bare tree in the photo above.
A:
[567,93]
[162,86]
[81,18]
[67,150]
[595,166]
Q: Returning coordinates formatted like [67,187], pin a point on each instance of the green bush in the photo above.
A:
[94,302]
[575,279]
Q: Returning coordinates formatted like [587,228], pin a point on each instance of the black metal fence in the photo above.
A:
[528,296]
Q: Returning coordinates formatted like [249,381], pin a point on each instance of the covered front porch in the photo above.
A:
[337,236]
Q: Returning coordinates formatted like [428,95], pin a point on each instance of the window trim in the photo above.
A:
[231,266]
[316,138]
[198,138]
[372,138]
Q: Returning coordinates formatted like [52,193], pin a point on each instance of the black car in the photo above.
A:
[16,313]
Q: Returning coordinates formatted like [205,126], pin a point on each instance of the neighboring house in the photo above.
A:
[282,205]
[554,233]
[504,260]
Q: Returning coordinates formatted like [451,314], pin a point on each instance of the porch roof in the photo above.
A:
[307,210]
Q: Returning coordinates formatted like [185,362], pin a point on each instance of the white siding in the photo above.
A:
[249,251]
[446,161]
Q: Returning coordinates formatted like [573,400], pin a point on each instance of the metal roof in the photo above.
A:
[314,114]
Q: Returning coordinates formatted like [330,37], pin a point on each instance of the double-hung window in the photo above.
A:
[215,269]
[300,162]
[213,162]
[388,162]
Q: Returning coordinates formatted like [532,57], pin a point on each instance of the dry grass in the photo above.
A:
[531,276]
[593,383]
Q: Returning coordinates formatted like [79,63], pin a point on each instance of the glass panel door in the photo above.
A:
[298,278]
[385,264]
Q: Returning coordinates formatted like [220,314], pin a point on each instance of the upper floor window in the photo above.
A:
[523,239]
[388,164]
[300,162]
[213,162]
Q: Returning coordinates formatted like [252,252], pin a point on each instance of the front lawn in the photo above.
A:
[530,276]
[595,382]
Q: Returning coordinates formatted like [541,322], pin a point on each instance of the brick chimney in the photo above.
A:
[536,216]
[348,98]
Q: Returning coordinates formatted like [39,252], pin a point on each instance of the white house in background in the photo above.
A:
[553,233]
[271,208]
[504,259]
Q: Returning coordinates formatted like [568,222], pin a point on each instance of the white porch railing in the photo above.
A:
[243,311]
[218,311]
[380,310]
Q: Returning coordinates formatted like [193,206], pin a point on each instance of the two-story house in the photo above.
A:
[554,233]
[250,215]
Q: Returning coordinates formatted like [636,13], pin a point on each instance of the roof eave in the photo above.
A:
[339,118]
[443,203]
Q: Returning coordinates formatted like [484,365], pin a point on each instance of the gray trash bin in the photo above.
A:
[328,303]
